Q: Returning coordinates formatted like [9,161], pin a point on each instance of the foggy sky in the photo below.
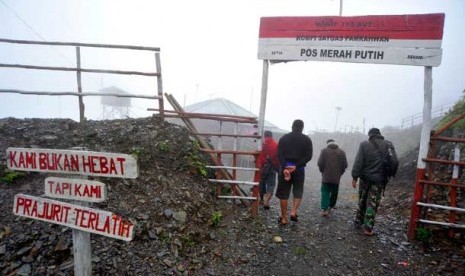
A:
[209,50]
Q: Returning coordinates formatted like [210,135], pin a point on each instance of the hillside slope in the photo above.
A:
[182,229]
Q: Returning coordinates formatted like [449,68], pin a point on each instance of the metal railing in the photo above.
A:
[417,118]
[429,180]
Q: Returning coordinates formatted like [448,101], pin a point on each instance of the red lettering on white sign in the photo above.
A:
[77,189]
[72,162]
[413,39]
[74,216]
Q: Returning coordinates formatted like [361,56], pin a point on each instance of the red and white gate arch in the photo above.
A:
[413,39]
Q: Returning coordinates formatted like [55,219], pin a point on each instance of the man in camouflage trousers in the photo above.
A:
[370,169]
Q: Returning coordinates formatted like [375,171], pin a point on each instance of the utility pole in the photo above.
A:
[340,7]
[338,109]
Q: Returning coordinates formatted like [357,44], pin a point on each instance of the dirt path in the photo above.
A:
[316,245]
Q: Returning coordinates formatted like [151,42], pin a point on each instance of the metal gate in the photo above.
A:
[227,161]
[432,185]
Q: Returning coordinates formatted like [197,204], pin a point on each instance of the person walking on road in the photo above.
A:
[295,150]
[369,168]
[268,164]
[332,163]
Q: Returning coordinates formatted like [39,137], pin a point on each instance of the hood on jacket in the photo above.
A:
[332,145]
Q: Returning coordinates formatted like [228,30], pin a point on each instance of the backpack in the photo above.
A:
[389,159]
[267,167]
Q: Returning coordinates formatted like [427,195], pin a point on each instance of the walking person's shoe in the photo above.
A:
[357,223]
[325,213]
[294,218]
[266,201]
[368,232]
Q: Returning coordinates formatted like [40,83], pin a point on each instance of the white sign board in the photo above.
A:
[75,189]
[72,162]
[385,39]
[74,216]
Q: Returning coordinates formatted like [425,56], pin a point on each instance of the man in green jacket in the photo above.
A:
[369,168]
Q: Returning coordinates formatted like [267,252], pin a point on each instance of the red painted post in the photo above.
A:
[234,187]
[218,175]
[453,203]
[453,189]
[417,197]
[255,190]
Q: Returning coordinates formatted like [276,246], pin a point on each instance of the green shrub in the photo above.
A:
[423,235]
[196,159]
[11,176]
[163,146]
[216,218]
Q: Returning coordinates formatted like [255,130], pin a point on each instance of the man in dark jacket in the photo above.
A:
[295,150]
[369,168]
[332,164]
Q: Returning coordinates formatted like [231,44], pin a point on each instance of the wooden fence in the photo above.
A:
[79,70]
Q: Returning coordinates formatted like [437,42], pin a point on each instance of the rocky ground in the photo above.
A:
[183,230]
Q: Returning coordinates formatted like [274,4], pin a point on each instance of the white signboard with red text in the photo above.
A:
[75,189]
[385,39]
[78,163]
[72,162]
[74,216]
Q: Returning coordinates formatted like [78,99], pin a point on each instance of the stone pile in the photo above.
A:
[171,201]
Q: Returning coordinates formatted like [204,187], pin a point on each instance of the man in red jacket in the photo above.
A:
[268,164]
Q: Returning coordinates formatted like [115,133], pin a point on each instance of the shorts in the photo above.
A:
[268,183]
[296,184]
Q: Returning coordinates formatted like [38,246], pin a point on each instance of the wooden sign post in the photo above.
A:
[79,216]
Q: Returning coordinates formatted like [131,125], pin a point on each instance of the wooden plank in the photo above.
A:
[233,168]
[239,197]
[161,104]
[241,152]
[83,94]
[75,189]
[233,182]
[72,162]
[219,117]
[77,217]
[229,135]
[79,86]
[92,45]
[85,70]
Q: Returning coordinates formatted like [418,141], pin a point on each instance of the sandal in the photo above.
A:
[280,221]
[294,218]
[368,232]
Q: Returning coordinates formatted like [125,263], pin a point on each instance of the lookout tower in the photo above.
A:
[114,107]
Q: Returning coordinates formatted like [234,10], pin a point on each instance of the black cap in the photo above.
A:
[329,141]
[268,133]
[374,131]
